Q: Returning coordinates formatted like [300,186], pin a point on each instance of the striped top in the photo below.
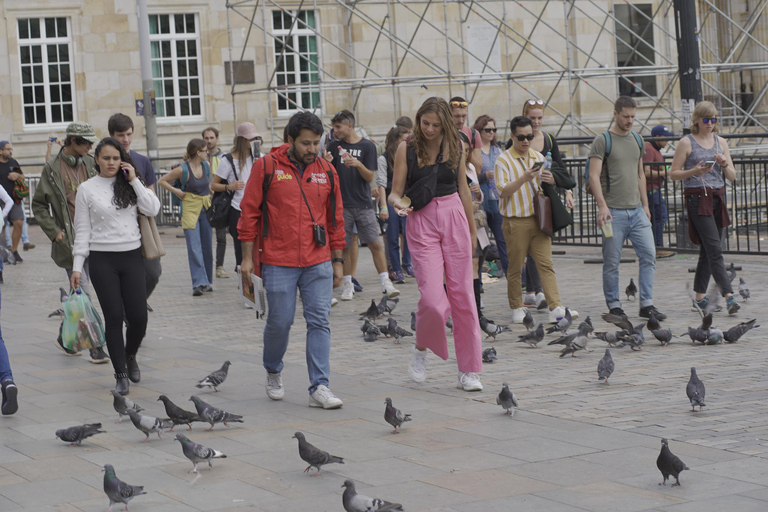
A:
[510,166]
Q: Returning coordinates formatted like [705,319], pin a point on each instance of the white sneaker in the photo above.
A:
[469,382]
[417,368]
[334,301]
[559,312]
[539,298]
[347,291]
[275,389]
[518,315]
[323,397]
[529,299]
[389,290]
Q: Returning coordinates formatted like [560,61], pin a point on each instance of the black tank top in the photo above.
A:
[447,179]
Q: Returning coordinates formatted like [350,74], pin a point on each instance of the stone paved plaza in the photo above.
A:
[573,445]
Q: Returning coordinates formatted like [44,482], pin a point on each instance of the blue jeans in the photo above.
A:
[395,228]
[24,231]
[658,215]
[5,363]
[200,251]
[315,284]
[494,222]
[635,226]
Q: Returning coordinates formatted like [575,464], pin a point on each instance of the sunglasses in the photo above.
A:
[522,137]
[459,104]
[490,130]
[708,120]
[81,141]
[535,102]
[338,116]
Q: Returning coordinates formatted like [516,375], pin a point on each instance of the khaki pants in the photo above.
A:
[523,237]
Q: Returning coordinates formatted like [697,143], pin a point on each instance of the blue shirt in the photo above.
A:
[144,167]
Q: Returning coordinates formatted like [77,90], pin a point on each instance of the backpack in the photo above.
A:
[607,136]
[182,182]
[268,180]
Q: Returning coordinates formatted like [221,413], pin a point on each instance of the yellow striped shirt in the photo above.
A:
[510,166]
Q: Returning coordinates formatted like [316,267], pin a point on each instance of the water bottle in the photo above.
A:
[343,154]
[547,162]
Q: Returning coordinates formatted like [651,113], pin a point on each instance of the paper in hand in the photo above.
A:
[253,294]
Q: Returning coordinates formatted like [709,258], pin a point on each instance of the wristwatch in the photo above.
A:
[340,260]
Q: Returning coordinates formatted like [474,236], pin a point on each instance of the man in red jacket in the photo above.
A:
[302,249]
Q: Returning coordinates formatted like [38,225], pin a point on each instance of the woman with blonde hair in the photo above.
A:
[441,234]
[703,162]
[191,183]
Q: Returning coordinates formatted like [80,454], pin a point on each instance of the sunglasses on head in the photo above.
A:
[522,137]
[535,102]
[459,104]
[708,120]
[340,115]
[490,130]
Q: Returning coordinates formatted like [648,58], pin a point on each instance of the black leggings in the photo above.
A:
[234,217]
[711,262]
[118,278]
[221,246]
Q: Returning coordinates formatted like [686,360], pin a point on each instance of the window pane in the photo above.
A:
[28,97]
[168,88]
[53,74]
[160,106]
[23,29]
[56,114]
[194,87]
[179,23]
[635,48]
[63,53]
[39,94]
[277,20]
[25,55]
[183,88]
[68,115]
[61,27]
[184,107]
[192,68]
[165,24]
[181,49]
[37,54]
[190,19]
[50,27]
[167,68]
[191,48]
[29,115]
[66,92]
[37,74]
[26,75]
[34,31]
[196,111]
[154,48]
[40,114]
[64,70]
[165,47]
[52,53]
[310,19]
[170,108]
[55,94]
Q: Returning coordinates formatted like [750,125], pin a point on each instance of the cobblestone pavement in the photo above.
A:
[574,444]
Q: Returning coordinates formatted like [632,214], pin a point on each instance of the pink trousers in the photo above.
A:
[438,238]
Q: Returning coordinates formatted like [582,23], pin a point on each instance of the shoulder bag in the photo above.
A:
[221,203]
[151,245]
[542,208]
[424,189]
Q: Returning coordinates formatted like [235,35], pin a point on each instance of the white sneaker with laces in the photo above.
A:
[469,382]
[323,397]
[275,389]
[334,301]
[539,298]
[347,291]
[559,312]
[518,315]
[388,289]
[529,299]
[417,368]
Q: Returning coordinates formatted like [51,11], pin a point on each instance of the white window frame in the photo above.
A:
[173,37]
[653,58]
[43,42]
[298,31]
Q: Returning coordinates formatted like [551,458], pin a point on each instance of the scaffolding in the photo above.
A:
[733,40]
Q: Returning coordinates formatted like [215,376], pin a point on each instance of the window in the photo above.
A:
[45,47]
[296,60]
[634,47]
[174,43]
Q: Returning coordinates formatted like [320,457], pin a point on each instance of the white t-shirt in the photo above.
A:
[224,171]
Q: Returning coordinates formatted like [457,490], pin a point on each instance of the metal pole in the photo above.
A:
[392,58]
[231,67]
[145,56]
[568,55]
[688,59]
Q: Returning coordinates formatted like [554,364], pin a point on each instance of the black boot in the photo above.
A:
[133,369]
[121,383]
[476,283]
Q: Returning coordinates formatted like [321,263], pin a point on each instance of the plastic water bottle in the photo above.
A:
[547,162]
[343,154]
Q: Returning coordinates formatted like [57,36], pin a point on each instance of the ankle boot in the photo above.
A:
[133,369]
[476,283]
[121,383]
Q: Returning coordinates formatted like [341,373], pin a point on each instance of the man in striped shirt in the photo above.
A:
[518,178]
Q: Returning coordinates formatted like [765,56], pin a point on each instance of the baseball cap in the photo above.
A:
[247,131]
[3,143]
[661,131]
[83,130]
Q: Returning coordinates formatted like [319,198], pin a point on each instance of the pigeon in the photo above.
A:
[413,321]
[507,400]
[669,464]
[118,491]
[706,322]
[587,325]
[369,326]
[588,321]
[695,391]
[216,378]
[354,502]
[489,355]
[743,289]
[605,366]
[731,272]
[653,323]
[733,334]
[370,336]
[63,296]
[491,329]
[563,324]
[212,415]
[631,289]
[148,424]
[122,404]
[372,313]
[449,323]
[387,305]
[75,435]
[715,337]
[578,343]
[612,338]
[698,335]
[396,331]
[534,337]
[636,338]
[713,302]
[528,321]
[394,416]
[198,453]
[178,415]
[663,335]
[620,321]
[565,339]
[313,456]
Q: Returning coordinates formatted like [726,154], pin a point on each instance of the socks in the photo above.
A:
[348,279]
[383,277]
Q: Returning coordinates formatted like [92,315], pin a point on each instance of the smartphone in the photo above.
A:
[537,166]
[256,149]
[52,139]
[709,163]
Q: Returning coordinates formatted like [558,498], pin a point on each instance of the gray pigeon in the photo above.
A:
[563,324]
[636,338]
[489,355]
[370,336]
[620,321]
[578,343]
[653,323]
[663,335]
[731,272]
[394,416]
[631,289]
[122,404]
[216,378]
[387,305]
[413,321]
[396,331]
[198,453]
[313,456]
[612,338]
[63,296]
[528,321]
[75,435]
[743,289]
[706,322]
[372,313]
[491,329]
[605,366]
[534,337]
[148,424]
[698,335]
[212,415]
[118,491]
[354,502]
[369,326]
[695,391]
[733,334]
[178,415]
[669,464]
[715,337]
[507,400]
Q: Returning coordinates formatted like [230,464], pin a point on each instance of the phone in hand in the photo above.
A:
[537,166]
[709,163]
[52,139]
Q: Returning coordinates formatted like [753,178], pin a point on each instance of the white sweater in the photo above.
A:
[101,226]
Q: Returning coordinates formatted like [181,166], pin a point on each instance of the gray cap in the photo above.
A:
[82,129]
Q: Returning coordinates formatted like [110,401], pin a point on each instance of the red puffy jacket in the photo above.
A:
[290,240]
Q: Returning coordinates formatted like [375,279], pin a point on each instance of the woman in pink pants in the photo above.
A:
[441,238]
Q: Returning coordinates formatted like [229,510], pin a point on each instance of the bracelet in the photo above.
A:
[337,260]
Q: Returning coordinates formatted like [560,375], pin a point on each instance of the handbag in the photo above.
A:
[151,244]
[425,188]
[542,211]
[221,203]
[20,188]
